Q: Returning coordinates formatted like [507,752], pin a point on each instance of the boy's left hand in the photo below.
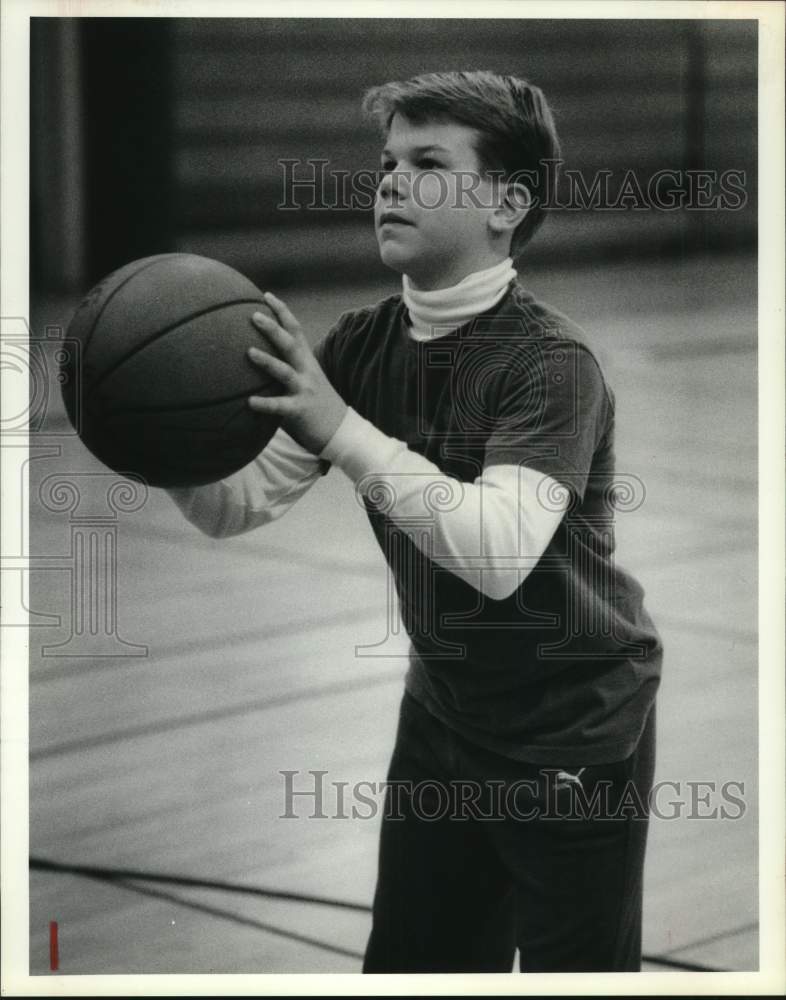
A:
[312,410]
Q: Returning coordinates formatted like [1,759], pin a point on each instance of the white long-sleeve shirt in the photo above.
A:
[490,533]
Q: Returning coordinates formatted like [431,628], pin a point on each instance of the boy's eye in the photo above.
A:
[428,163]
[387,166]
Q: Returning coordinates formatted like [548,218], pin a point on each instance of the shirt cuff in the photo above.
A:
[359,449]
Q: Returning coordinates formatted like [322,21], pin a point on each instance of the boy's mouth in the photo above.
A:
[394,219]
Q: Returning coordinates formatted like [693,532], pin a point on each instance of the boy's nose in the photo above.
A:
[395,183]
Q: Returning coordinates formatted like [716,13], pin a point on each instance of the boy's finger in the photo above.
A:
[284,314]
[279,406]
[280,370]
[280,338]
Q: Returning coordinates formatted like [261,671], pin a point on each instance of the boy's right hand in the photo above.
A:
[312,410]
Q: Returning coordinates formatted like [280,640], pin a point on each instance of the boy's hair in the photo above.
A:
[516,131]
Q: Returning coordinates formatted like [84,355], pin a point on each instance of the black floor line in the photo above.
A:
[720,936]
[235,918]
[715,630]
[675,963]
[221,643]
[132,530]
[112,874]
[126,878]
[169,725]
[701,349]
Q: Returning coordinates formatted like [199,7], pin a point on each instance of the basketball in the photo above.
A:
[159,382]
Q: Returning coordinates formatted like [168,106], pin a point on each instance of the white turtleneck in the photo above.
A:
[436,312]
[492,537]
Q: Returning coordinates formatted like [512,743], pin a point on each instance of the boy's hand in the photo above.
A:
[312,409]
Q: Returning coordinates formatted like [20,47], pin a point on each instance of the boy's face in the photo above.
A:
[434,187]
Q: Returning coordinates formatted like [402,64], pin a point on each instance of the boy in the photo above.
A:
[478,429]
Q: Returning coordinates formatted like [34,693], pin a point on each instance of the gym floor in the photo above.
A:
[154,774]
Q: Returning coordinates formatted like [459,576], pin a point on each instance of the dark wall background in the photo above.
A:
[151,135]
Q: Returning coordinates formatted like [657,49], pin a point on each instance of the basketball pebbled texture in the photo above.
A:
[164,379]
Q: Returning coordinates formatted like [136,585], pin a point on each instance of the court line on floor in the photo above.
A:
[231,711]
[708,347]
[688,554]
[735,482]
[676,964]
[223,643]
[712,938]
[713,629]
[127,877]
[259,550]
[235,918]
[112,874]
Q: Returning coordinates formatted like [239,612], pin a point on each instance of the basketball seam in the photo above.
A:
[176,408]
[113,293]
[168,329]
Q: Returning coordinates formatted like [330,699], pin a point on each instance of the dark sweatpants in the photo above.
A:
[480,854]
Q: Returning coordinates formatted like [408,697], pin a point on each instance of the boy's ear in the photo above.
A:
[513,204]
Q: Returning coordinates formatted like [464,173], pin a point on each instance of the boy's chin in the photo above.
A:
[417,270]
[396,261]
